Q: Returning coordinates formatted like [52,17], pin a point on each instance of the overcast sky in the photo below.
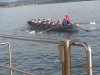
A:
[7,0]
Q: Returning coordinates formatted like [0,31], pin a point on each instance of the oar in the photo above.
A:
[21,27]
[91,23]
[48,29]
[81,28]
[33,32]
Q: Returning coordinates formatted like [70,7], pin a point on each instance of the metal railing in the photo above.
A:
[9,54]
[64,53]
[16,70]
[65,56]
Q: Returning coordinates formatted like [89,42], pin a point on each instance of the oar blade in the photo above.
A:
[32,32]
[92,23]
[40,32]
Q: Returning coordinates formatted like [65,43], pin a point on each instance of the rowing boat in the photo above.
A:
[71,28]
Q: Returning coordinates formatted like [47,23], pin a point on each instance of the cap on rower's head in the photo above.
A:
[65,13]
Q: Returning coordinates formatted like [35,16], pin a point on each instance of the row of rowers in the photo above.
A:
[50,22]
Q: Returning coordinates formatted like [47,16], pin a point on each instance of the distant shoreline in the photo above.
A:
[32,4]
[22,5]
[17,5]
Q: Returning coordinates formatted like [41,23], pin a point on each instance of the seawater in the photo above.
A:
[39,58]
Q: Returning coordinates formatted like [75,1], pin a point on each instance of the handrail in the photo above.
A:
[32,39]
[10,68]
[9,54]
[88,55]
[65,54]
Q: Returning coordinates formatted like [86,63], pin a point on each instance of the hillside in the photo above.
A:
[33,2]
[44,1]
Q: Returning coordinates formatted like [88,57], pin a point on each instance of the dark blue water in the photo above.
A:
[39,58]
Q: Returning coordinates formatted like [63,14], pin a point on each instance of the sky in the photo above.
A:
[7,0]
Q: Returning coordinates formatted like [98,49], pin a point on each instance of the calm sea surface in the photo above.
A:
[40,58]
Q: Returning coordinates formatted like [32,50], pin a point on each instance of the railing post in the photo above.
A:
[88,58]
[89,63]
[89,67]
[65,57]
[9,55]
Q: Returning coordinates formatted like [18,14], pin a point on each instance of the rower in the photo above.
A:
[64,23]
[48,23]
[38,22]
[59,24]
[33,21]
[43,23]
[52,23]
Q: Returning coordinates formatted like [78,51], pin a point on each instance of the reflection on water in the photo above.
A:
[93,27]
[69,36]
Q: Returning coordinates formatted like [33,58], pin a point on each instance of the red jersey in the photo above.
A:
[67,18]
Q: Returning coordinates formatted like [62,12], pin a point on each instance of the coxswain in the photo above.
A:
[67,18]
